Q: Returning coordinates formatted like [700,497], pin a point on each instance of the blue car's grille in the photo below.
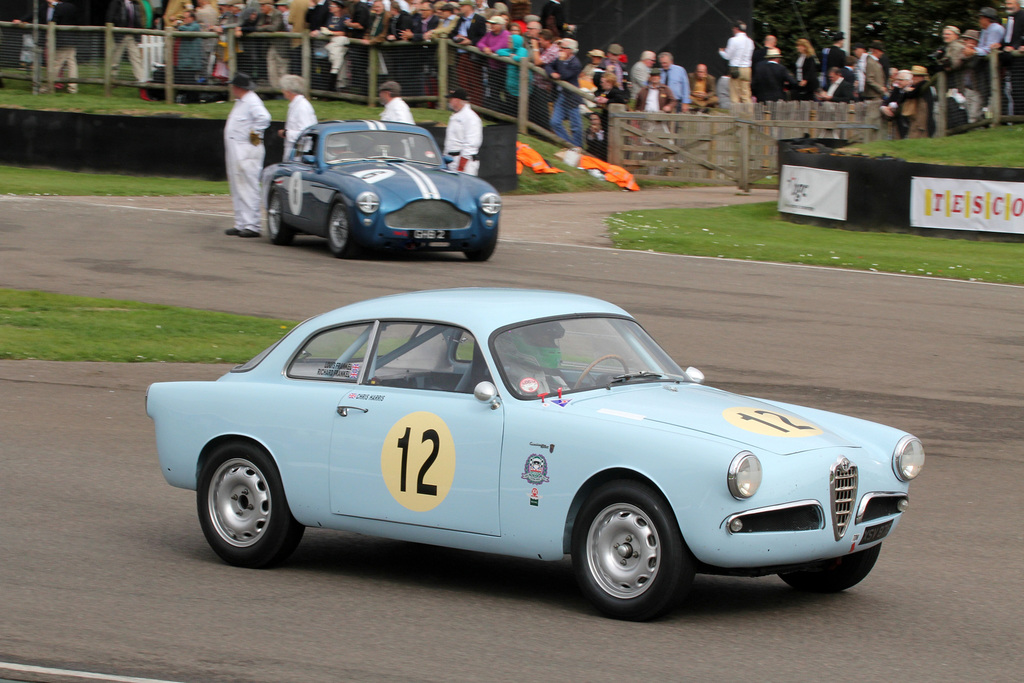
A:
[428,214]
[843,492]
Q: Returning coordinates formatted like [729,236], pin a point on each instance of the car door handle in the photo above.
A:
[343,410]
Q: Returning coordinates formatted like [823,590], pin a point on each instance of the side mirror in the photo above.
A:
[694,375]
[485,392]
[447,159]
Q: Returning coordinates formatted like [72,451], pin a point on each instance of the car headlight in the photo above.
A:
[490,203]
[368,202]
[908,458]
[744,475]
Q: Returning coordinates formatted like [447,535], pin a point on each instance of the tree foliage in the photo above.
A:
[910,29]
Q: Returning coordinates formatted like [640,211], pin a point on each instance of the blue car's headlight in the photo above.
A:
[908,458]
[368,202]
[490,203]
[744,475]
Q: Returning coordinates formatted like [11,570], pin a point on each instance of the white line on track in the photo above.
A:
[67,673]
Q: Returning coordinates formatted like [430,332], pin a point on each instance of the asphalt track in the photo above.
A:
[103,567]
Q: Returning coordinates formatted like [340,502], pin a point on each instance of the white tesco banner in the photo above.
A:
[813,192]
[980,205]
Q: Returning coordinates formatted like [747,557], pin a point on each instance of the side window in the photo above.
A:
[427,356]
[337,354]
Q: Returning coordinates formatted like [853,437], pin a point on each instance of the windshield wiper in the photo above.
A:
[387,158]
[629,376]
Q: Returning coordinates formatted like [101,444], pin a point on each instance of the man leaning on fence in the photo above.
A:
[65,55]
[127,14]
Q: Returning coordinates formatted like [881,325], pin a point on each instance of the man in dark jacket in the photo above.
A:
[470,28]
[772,81]
[127,14]
[567,69]
[65,55]
[839,89]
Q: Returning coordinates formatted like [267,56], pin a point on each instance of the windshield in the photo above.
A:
[577,354]
[383,144]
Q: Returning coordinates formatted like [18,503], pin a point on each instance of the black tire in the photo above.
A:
[278,231]
[838,575]
[484,252]
[629,522]
[339,232]
[243,510]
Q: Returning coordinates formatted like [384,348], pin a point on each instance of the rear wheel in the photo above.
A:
[278,231]
[838,575]
[339,234]
[628,554]
[243,510]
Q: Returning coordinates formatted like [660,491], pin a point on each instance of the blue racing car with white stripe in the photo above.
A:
[376,185]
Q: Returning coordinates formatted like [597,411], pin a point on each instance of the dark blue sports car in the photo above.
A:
[377,185]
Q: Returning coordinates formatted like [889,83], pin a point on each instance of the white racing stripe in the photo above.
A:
[67,673]
[374,125]
[423,182]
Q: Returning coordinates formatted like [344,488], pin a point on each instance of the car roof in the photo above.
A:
[480,309]
[365,125]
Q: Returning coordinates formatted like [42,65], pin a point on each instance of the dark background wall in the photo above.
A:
[878,190]
[692,30]
[176,147]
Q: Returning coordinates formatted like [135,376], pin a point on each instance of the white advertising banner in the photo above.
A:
[953,204]
[813,192]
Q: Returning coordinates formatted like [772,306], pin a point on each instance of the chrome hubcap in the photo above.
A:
[239,502]
[274,214]
[339,227]
[623,551]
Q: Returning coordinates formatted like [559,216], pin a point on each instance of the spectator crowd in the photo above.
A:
[599,77]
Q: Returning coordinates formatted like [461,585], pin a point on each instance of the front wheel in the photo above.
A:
[485,252]
[840,574]
[278,232]
[243,510]
[339,233]
[628,554]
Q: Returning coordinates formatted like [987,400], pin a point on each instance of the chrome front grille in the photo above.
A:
[842,494]
[428,214]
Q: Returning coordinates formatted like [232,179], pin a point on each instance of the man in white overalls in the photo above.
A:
[243,155]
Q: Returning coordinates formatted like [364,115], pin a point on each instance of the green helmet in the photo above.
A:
[538,341]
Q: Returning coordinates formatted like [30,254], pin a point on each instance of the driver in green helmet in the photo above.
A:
[531,356]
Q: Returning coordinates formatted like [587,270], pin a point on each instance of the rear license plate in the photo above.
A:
[876,532]
[439,235]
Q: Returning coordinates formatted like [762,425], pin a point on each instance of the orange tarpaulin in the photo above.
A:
[613,174]
[527,156]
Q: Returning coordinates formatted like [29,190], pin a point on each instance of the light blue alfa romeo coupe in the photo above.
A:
[535,424]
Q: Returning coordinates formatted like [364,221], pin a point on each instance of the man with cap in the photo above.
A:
[891,107]
[772,80]
[395,108]
[613,62]
[918,104]
[300,112]
[655,97]
[590,76]
[567,103]
[244,153]
[991,30]
[739,52]
[974,76]
[874,74]
[464,135]
[496,38]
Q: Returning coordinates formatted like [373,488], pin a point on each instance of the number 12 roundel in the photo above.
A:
[417,461]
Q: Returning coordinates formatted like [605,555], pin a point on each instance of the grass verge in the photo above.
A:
[755,232]
[44,181]
[999,147]
[43,326]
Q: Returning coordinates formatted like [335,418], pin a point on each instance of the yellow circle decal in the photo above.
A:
[769,422]
[418,461]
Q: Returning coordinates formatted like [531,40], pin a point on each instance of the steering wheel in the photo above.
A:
[586,371]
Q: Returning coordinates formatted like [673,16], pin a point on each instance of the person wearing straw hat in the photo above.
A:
[244,154]
[918,105]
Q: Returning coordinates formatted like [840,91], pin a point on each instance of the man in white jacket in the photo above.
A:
[395,108]
[300,112]
[465,134]
[244,153]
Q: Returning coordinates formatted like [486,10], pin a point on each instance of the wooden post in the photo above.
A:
[108,52]
[306,58]
[442,73]
[743,181]
[995,100]
[51,54]
[371,84]
[232,59]
[523,115]
[168,64]
[940,102]
[614,134]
